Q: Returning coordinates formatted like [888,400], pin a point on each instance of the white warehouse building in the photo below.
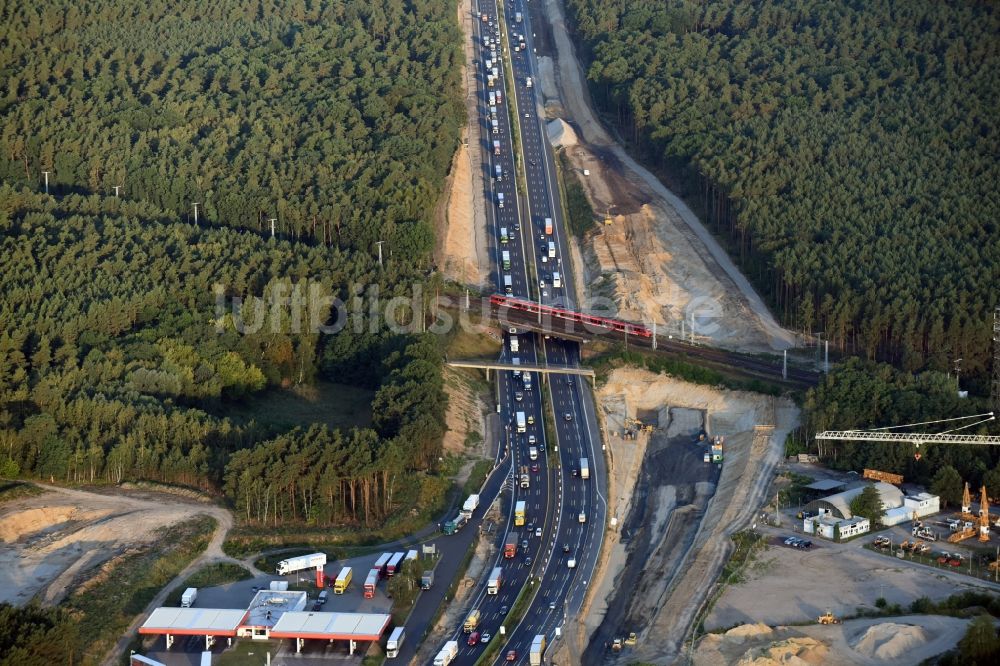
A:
[834,512]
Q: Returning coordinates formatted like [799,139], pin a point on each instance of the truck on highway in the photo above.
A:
[427,579]
[495,125]
[571,563]
[504,236]
[447,654]
[455,524]
[527,82]
[519,513]
[505,259]
[584,468]
[493,98]
[515,345]
[525,478]
[517,16]
[300,563]
[533,452]
[471,622]
[556,280]
[508,287]
[537,650]
[380,563]
[187,599]
[521,427]
[499,97]
[495,581]
[496,147]
[370,582]
[510,545]
[470,505]
[499,199]
[394,643]
[548,226]
[526,378]
[343,580]
[552,250]
[395,563]
[498,170]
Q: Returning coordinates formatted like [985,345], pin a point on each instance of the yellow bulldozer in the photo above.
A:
[828,618]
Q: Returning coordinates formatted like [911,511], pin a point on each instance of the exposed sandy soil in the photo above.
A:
[462,247]
[782,586]
[872,641]
[655,262]
[683,540]
[50,540]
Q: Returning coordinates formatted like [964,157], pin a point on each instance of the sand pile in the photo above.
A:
[19,524]
[560,133]
[889,640]
[745,631]
[791,652]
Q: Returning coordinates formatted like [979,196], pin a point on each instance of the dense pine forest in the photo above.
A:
[846,151]
[121,345]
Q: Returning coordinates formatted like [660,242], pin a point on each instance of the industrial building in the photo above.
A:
[271,614]
[828,515]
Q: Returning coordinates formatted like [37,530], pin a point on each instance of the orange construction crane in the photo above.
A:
[984,516]
[967,504]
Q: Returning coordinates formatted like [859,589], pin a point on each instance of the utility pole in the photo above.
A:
[379,244]
[784,364]
[196,214]
[46,174]
[116,188]
[272,220]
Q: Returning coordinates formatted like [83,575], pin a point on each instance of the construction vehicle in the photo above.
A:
[631,640]
[828,618]
[963,534]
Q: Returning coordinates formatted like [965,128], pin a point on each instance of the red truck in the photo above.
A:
[510,547]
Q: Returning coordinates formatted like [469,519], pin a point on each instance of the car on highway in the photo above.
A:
[527,561]
[511,655]
[582,517]
[538,531]
[485,638]
[504,609]
[518,396]
[474,638]
[552,605]
[524,544]
[534,468]
[569,381]
[565,547]
[531,440]
[567,416]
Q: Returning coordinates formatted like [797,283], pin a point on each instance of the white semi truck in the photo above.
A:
[300,563]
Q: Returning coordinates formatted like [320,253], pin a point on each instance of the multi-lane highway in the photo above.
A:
[557,547]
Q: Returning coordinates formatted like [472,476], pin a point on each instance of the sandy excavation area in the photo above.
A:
[899,641]
[462,251]
[655,261]
[49,540]
[672,514]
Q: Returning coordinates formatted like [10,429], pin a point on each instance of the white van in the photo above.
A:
[527,82]
[556,281]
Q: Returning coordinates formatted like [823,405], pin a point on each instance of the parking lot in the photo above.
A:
[187,649]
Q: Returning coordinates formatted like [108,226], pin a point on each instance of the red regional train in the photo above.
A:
[497,301]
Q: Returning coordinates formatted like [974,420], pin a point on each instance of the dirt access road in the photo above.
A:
[656,261]
[50,541]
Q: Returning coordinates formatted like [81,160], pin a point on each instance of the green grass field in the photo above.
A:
[337,405]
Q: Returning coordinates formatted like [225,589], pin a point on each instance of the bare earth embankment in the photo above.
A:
[672,513]
[655,261]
